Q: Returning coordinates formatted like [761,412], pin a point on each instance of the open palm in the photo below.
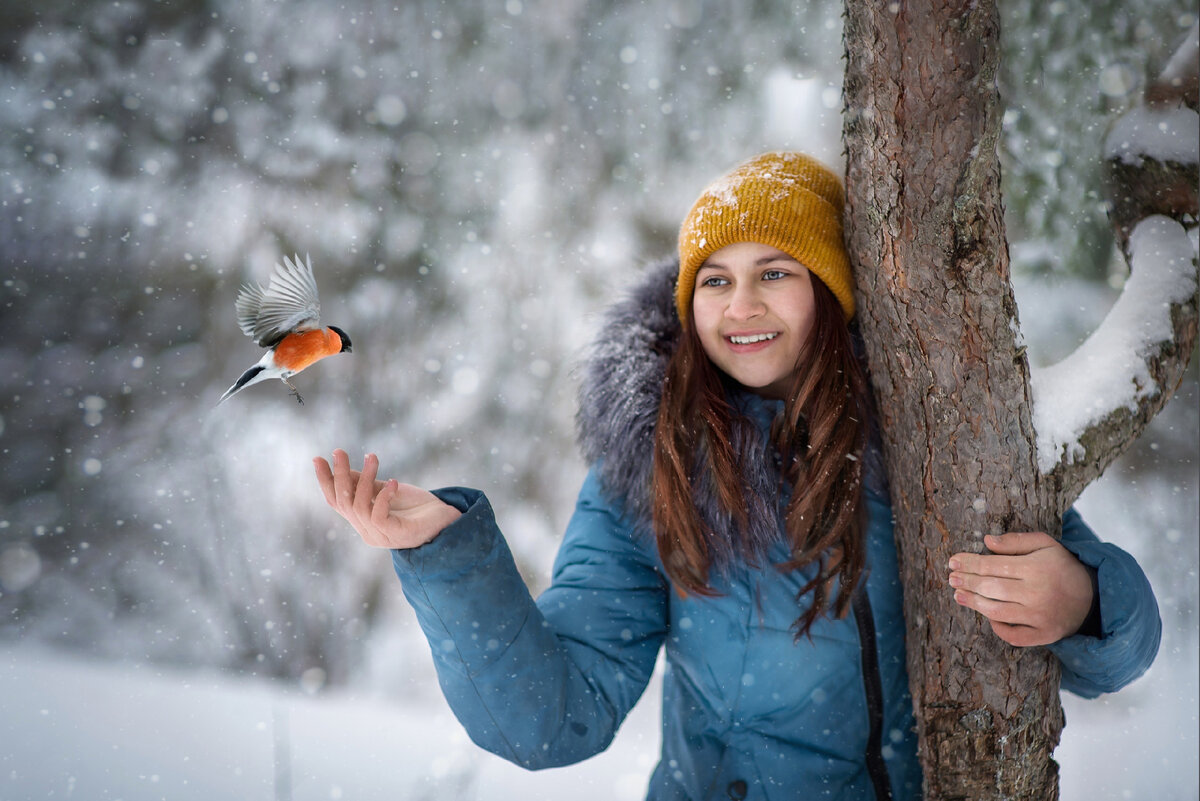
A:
[386,514]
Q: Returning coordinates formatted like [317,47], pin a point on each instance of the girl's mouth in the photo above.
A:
[751,339]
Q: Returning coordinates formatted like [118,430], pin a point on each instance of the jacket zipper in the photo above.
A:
[873,686]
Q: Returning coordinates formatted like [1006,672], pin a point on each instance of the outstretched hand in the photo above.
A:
[386,514]
[1030,588]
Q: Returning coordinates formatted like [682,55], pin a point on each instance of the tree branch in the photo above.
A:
[1090,406]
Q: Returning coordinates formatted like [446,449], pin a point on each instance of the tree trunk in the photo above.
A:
[952,384]
[937,312]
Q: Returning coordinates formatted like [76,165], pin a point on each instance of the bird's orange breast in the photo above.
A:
[297,351]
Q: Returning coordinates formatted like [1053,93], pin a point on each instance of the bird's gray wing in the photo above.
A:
[288,304]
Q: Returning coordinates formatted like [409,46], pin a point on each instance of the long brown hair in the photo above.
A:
[819,439]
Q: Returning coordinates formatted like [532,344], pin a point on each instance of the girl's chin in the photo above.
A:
[771,389]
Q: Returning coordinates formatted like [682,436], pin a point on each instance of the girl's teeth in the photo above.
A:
[750,340]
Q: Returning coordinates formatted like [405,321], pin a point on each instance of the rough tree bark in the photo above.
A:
[926,236]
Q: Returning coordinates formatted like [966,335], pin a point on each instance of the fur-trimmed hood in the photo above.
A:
[621,386]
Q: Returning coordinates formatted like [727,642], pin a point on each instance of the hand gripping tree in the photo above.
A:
[974,443]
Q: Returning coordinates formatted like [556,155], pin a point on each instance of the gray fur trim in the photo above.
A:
[622,383]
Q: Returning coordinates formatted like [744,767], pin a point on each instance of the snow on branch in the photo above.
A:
[1161,134]
[1115,368]
[1166,126]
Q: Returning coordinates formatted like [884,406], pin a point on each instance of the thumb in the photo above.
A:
[1016,543]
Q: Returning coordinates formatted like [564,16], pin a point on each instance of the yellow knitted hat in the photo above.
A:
[786,200]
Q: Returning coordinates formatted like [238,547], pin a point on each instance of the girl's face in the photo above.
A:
[753,307]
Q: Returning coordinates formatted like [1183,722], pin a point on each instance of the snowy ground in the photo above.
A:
[99,732]
[102,732]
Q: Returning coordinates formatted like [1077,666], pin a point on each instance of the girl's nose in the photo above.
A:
[744,304]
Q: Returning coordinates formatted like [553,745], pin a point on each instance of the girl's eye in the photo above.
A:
[773,275]
[713,280]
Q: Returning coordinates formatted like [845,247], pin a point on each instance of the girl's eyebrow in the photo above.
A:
[765,260]
[781,256]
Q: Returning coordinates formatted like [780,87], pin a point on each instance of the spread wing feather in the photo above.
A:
[288,304]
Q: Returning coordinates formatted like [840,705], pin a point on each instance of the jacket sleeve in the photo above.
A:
[540,684]
[1130,625]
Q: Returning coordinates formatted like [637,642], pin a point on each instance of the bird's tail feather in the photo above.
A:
[251,376]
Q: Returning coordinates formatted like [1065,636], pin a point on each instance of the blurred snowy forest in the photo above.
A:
[474,182]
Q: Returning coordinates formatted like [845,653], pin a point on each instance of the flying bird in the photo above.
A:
[285,318]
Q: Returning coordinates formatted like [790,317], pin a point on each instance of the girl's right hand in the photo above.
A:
[386,514]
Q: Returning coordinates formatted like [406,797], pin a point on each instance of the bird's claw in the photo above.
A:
[296,394]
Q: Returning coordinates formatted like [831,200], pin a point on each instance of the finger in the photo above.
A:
[1021,636]
[996,589]
[1017,542]
[1005,619]
[995,611]
[382,507]
[324,479]
[365,488]
[356,476]
[344,480]
[985,565]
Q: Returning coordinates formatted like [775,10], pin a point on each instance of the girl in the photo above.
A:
[735,515]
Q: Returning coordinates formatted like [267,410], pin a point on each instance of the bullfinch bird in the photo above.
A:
[285,317]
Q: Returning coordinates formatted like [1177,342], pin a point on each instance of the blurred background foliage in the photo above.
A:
[1069,69]
[473,182]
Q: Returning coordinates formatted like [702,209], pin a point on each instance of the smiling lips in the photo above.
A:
[751,339]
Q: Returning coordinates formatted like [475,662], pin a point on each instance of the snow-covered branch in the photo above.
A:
[1150,152]
[1147,132]
[1092,403]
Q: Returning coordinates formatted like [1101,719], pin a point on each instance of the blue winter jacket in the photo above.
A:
[748,712]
